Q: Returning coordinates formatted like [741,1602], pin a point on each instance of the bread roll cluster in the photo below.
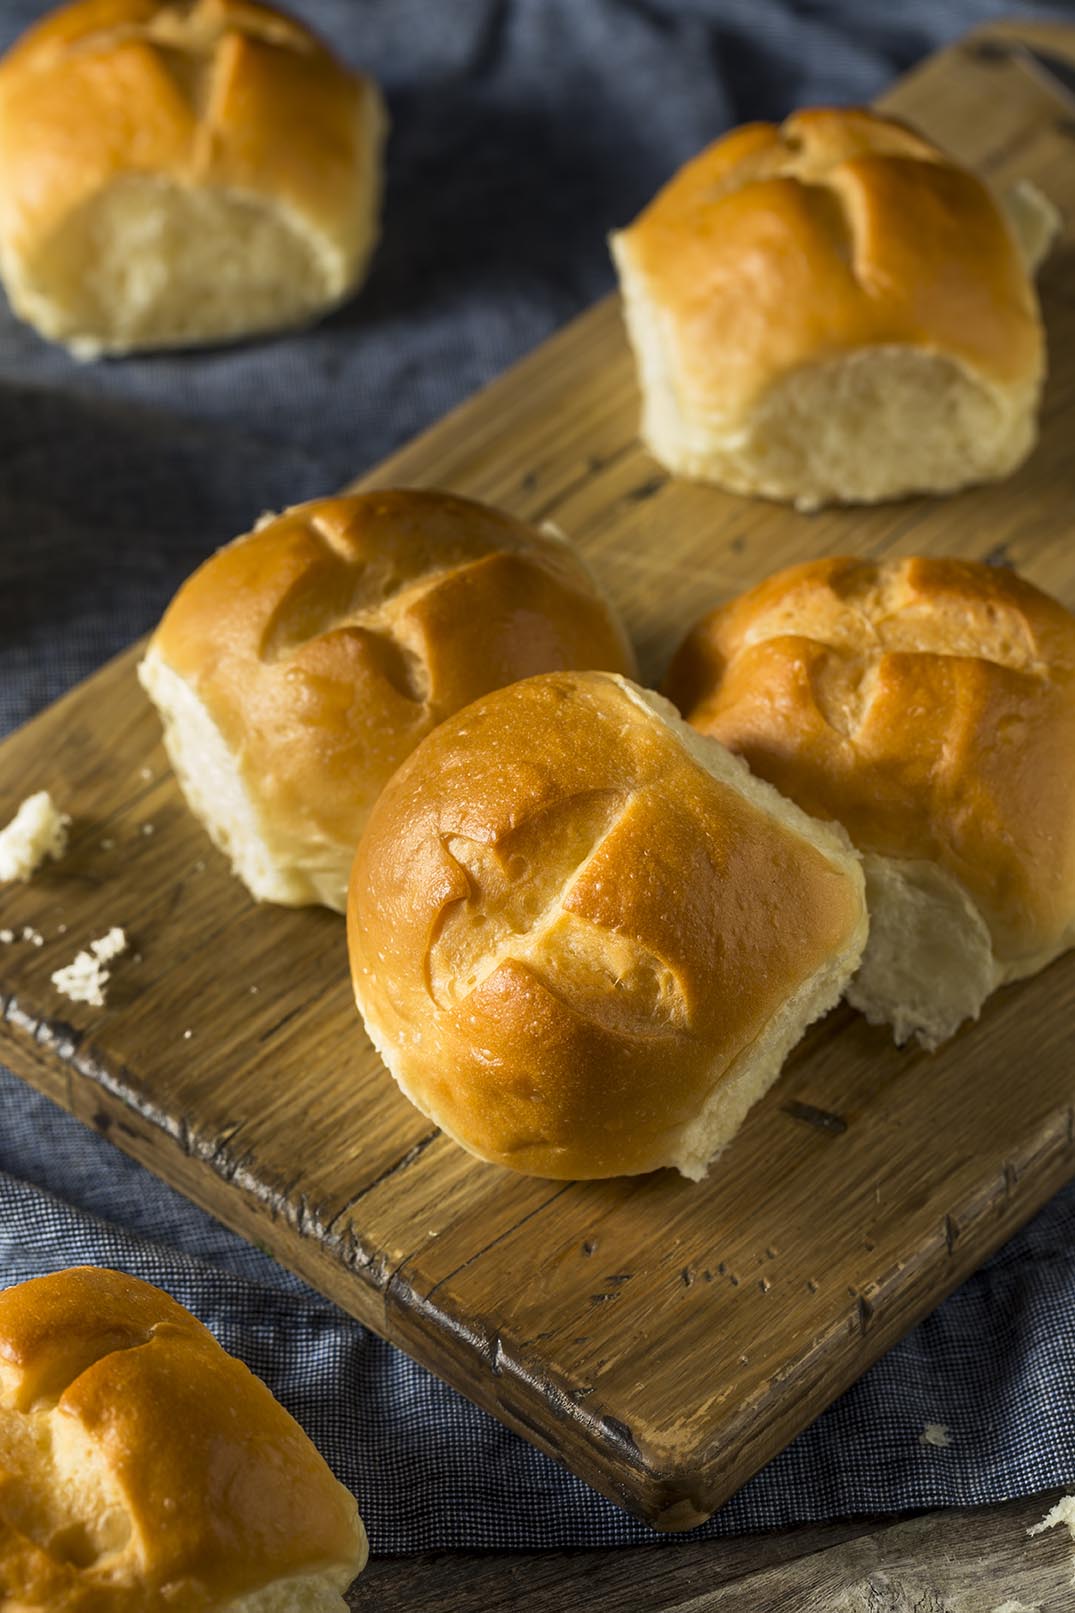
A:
[178,173]
[143,1467]
[583,935]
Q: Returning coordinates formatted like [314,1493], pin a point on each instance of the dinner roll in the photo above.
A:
[832,310]
[299,666]
[181,171]
[929,706]
[142,1467]
[584,939]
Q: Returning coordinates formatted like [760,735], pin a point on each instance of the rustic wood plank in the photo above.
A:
[655,1335]
[616,1579]
[967,1561]
[953,1562]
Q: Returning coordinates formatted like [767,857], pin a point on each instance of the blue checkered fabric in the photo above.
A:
[523,131]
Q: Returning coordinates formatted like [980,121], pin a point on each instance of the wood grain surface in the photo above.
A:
[664,1339]
[972,1560]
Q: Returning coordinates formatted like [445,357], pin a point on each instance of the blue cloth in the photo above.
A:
[523,131]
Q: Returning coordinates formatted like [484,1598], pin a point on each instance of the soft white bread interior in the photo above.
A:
[928,705]
[142,1467]
[832,310]
[300,665]
[584,938]
[1035,221]
[174,172]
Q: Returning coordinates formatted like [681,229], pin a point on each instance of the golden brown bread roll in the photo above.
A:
[299,666]
[928,705]
[832,309]
[583,939]
[142,1467]
[181,171]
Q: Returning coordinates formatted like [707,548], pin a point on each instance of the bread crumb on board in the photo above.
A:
[85,980]
[38,830]
[935,1434]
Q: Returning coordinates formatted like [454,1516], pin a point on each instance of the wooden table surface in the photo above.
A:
[981,1560]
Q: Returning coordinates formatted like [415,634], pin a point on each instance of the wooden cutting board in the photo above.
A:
[664,1339]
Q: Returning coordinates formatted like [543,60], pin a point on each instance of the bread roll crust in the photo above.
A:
[783,252]
[325,644]
[221,97]
[926,704]
[565,930]
[143,1466]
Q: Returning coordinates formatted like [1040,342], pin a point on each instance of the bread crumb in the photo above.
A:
[1063,1512]
[935,1434]
[145,772]
[36,831]
[85,980]
[109,946]
[106,845]
[187,1035]
[148,828]
[33,936]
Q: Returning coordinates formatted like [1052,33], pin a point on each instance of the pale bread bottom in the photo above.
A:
[929,964]
[757,1067]
[148,263]
[305,1593]
[273,867]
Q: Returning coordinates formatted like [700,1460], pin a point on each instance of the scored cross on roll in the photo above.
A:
[300,664]
[583,938]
